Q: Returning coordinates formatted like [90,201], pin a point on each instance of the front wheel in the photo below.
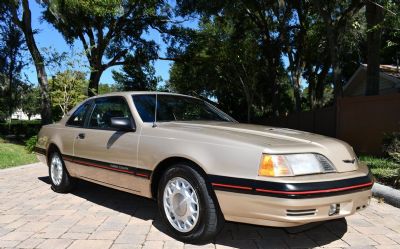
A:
[186,205]
[61,181]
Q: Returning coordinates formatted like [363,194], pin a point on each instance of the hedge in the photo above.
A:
[20,128]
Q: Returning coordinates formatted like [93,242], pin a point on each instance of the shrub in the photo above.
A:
[20,128]
[385,170]
[31,143]
[391,145]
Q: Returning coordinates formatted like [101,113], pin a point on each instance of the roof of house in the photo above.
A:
[389,80]
[393,71]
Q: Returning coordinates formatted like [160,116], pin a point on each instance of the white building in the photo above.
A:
[20,115]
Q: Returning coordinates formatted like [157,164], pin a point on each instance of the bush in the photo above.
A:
[385,170]
[391,145]
[30,144]
[20,128]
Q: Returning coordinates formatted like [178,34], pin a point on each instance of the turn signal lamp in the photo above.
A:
[294,164]
[274,165]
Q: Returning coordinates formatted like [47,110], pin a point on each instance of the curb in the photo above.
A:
[390,195]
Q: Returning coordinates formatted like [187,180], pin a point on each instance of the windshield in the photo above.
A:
[177,108]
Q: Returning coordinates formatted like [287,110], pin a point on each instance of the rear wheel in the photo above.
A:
[61,181]
[186,205]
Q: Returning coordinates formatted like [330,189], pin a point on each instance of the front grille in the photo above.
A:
[301,212]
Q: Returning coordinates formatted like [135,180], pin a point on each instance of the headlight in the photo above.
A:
[294,164]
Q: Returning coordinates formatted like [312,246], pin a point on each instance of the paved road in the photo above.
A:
[33,216]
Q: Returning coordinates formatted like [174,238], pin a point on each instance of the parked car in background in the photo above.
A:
[201,165]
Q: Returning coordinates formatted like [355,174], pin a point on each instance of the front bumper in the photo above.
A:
[286,205]
[272,211]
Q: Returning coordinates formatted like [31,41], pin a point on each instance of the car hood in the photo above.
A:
[272,140]
[252,133]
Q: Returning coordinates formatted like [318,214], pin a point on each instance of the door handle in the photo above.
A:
[81,136]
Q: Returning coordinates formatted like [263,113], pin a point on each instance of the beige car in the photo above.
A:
[201,165]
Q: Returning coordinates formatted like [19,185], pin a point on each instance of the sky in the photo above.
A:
[48,38]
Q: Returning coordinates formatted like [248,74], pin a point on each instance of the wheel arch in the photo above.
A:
[50,149]
[166,164]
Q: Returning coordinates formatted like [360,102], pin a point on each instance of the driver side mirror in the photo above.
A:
[122,124]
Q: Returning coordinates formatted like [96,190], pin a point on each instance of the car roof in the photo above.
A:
[130,93]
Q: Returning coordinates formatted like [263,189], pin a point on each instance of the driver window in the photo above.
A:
[107,108]
[78,117]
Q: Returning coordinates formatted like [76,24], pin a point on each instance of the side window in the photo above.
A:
[107,108]
[145,105]
[78,117]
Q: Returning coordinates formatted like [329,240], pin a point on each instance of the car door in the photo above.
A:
[73,127]
[109,156]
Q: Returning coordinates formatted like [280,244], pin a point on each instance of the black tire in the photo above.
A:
[67,182]
[210,220]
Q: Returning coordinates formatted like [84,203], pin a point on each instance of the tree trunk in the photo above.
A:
[10,82]
[272,74]
[94,83]
[311,89]
[248,99]
[295,78]
[374,15]
[26,26]
[296,91]
[320,85]
[334,54]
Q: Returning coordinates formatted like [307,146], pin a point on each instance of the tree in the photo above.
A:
[21,16]
[68,89]
[314,37]
[3,99]
[107,88]
[268,19]
[390,44]
[11,58]
[223,62]
[137,75]
[294,46]
[336,16]
[110,31]
[30,101]
[374,15]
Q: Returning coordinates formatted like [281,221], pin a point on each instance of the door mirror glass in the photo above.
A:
[122,124]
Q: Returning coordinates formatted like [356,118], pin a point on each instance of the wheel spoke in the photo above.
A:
[181,204]
[56,170]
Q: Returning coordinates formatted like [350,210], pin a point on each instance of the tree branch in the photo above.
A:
[115,61]
[85,46]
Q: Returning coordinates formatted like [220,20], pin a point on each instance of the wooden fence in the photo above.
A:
[321,121]
[361,121]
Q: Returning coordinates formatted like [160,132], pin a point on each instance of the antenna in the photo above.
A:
[155,112]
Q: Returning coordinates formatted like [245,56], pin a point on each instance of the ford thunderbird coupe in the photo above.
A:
[201,165]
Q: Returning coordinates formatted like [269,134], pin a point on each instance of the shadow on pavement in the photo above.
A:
[235,235]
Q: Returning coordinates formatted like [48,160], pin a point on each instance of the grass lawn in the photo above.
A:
[385,170]
[12,154]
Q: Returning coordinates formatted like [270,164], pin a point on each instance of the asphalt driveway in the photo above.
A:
[33,216]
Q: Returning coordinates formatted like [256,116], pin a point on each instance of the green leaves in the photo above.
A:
[226,64]
[68,89]
[99,8]
[109,30]
[31,101]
